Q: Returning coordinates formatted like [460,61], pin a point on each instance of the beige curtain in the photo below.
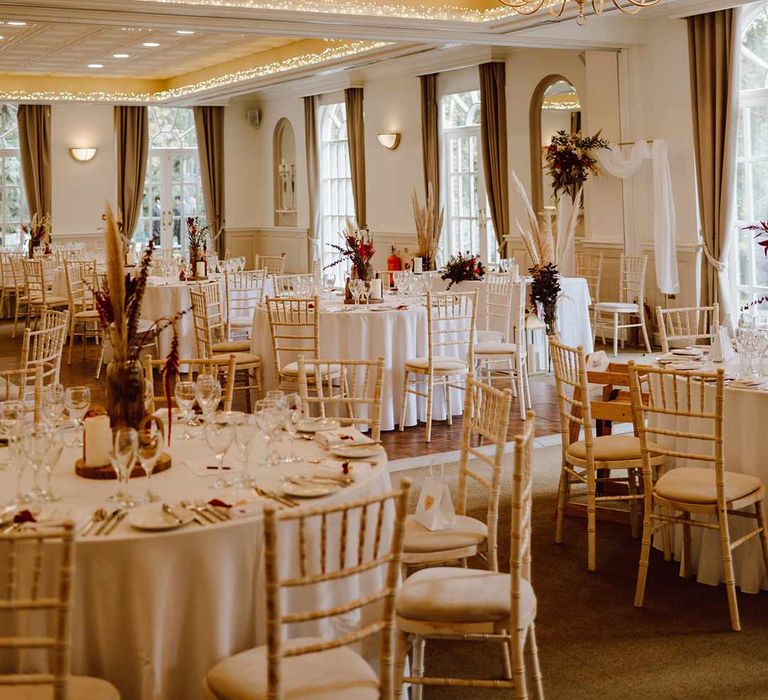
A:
[430,136]
[714,45]
[35,146]
[132,129]
[313,179]
[353,99]
[209,127]
[493,139]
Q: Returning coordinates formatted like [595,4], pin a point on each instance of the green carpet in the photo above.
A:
[593,643]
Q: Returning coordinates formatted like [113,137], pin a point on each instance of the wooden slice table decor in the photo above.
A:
[106,472]
[364,303]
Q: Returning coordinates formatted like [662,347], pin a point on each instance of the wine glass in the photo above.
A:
[77,399]
[219,433]
[53,403]
[329,282]
[51,456]
[185,393]
[18,459]
[11,422]
[149,449]
[291,420]
[208,394]
[246,429]
[34,443]
[125,444]
[269,415]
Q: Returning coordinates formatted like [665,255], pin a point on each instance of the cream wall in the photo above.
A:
[81,190]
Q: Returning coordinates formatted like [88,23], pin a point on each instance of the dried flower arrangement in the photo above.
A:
[570,160]
[545,290]
[463,268]
[429,226]
[38,231]
[357,248]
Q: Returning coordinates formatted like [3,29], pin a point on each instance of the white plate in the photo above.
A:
[687,352]
[316,426]
[355,451]
[309,489]
[151,517]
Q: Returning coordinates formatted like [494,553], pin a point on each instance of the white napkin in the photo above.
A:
[348,435]
[722,348]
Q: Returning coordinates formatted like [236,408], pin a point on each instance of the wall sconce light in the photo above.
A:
[82,155]
[390,140]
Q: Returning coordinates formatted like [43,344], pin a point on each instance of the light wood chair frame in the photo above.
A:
[632,269]
[14,385]
[20,297]
[39,297]
[44,348]
[244,291]
[512,633]
[209,324]
[590,267]
[450,325]
[284,285]
[500,295]
[359,551]
[294,325]
[573,403]
[689,324]
[686,398]
[216,367]
[485,421]
[273,264]
[357,386]
[82,308]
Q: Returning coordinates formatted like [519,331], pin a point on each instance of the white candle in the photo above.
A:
[417,265]
[200,269]
[98,441]
[376,289]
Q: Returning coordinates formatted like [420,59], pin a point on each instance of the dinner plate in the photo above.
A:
[355,451]
[312,425]
[152,518]
[309,489]
[687,352]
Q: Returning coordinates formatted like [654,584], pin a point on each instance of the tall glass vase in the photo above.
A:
[125,393]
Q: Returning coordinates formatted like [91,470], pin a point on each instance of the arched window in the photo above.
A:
[172,189]
[337,204]
[468,224]
[13,205]
[751,266]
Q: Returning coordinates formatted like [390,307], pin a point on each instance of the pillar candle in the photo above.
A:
[97,441]
[200,270]
[417,266]
[376,289]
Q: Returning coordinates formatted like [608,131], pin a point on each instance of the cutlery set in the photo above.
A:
[104,522]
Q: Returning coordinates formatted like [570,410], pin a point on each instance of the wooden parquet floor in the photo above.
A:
[399,445]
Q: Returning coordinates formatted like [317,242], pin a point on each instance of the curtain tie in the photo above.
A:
[711,259]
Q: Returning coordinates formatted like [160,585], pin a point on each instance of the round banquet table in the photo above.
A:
[153,612]
[365,333]
[744,452]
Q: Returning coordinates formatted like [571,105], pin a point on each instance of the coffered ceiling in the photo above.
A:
[198,50]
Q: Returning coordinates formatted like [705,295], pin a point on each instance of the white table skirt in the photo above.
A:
[744,453]
[153,612]
[573,320]
[364,334]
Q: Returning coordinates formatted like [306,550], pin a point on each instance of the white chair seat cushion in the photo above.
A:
[89,314]
[292,368]
[466,532]
[80,688]
[452,595]
[610,448]
[495,348]
[335,674]
[617,306]
[232,346]
[697,485]
[241,358]
[50,299]
[489,336]
[439,363]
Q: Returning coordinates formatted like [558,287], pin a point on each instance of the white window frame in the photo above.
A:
[485,246]
[10,229]
[336,199]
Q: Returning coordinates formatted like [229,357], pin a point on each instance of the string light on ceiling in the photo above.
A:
[556,8]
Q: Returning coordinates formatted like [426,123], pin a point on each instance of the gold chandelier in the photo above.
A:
[556,8]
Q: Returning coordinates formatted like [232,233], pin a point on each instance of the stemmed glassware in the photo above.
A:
[125,445]
[269,416]
[208,394]
[77,399]
[53,403]
[34,443]
[293,416]
[219,433]
[11,422]
[186,395]
[149,449]
[51,456]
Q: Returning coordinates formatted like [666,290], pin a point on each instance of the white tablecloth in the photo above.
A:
[573,321]
[365,334]
[153,612]
[744,453]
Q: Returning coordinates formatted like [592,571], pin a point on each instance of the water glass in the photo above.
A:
[208,394]
[185,394]
[149,449]
[125,445]
[11,424]
[219,433]
[77,399]
[53,403]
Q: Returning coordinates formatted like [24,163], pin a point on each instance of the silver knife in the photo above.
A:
[117,520]
[169,511]
[107,521]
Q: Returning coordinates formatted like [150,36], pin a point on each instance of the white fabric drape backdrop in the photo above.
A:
[617,164]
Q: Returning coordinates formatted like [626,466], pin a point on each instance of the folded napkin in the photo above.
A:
[348,435]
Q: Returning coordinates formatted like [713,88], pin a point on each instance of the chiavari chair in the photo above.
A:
[590,267]
[244,291]
[355,386]
[688,325]
[584,460]
[701,496]
[273,264]
[474,605]
[323,666]
[450,348]
[486,419]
